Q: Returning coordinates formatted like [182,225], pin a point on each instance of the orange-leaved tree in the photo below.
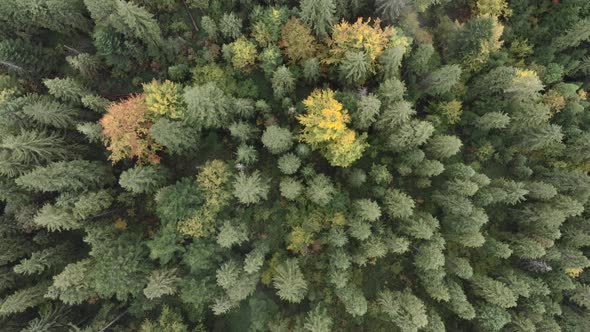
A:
[127,131]
[325,129]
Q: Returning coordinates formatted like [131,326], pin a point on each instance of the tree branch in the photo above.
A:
[114,321]
[190,16]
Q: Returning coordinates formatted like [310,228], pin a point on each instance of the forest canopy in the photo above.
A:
[294,165]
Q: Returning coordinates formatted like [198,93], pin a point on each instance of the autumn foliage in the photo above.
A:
[325,129]
[126,129]
[297,42]
[359,36]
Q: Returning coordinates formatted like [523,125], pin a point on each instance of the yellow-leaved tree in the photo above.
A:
[164,99]
[325,129]
[363,36]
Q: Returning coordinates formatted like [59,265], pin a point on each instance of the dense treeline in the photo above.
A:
[283,165]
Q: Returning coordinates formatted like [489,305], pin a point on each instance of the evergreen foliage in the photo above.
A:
[312,165]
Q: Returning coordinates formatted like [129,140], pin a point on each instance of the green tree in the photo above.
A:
[23,299]
[60,16]
[368,110]
[207,106]
[76,175]
[290,188]
[318,320]
[250,189]
[176,137]
[355,68]
[277,140]
[231,234]
[442,80]
[47,111]
[35,148]
[230,26]
[128,19]
[493,291]
[144,179]
[443,146]
[289,163]
[66,89]
[320,190]
[391,9]
[283,83]
[160,283]
[398,204]
[320,15]
[311,70]
[403,309]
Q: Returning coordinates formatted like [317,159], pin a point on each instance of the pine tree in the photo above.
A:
[289,281]
[311,70]
[160,283]
[420,61]
[318,320]
[246,154]
[320,190]
[289,163]
[29,17]
[207,106]
[120,265]
[43,260]
[283,83]
[66,89]
[493,291]
[493,120]
[429,255]
[270,59]
[398,204]
[144,179]
[169,320]
[174,136]
[355,68]
[128,19]
[91,204]
[391,9]
[24,57]
[354,300]
[86,64]
[231,234]
[35,147]
[444,146]
[23,299]
[319,15]
[577,34]
[210,27]
[391,61]
[404,309]
[442,80]
[290,188]
[367,210]
[76,175]
[250,189]
[230,26]
[277,140]
[51,113]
